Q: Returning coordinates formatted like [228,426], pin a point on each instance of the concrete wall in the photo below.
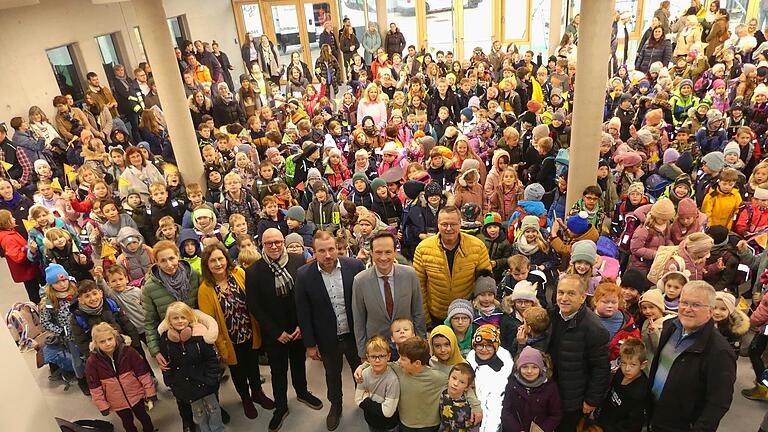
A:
[27,77]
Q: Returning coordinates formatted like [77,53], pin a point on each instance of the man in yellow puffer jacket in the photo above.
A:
[447,263]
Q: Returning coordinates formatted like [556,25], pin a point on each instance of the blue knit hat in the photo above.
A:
[578,223]
[55,273]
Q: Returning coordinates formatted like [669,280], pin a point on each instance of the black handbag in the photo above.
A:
[85,425]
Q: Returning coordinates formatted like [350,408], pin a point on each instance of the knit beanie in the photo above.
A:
[761,89]
[294,238]
[614,122]
[687,208]
[635,279]
[377,183]
[487,334]
[484,284]
[631,158]
[584,250]
[272,151]
[714,161]
[760,194]
[718,233]
[413,188]
[529,222]
[360,176]
[319,186]
[747,68]
[523,290]
[204,211]
[578,223]
[636,187]
[313,173]
[686,82]
[474,102]
[296,213]
[644,136]
[718,83]
[469,164]
[653,296]
[492,218]
[732,148]
[671,156]
[698,244]
[460,306]
[559,116]
[531,355]
[390,147]
[728,299]
[714,118]
[654,117]
[540,131]
[534,192]
[468,113]
[663,209]
[308,149]
[433,189]
[55,273]
[533,106]
[363,214]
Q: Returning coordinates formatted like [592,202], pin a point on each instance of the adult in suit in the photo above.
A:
[324,308]
[384,293]
[269,287]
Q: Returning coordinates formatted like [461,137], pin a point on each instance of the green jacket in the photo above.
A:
[465,344]
[156,298]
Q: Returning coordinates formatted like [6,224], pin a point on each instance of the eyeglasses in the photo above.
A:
[378,357]
[448,225]
[275,243]
[692,306]
[484,347]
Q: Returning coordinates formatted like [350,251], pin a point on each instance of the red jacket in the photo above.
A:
[14,247]
[628,330]
[750,220]
[119,382]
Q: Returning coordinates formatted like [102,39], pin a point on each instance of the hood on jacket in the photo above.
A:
[191,102]
[129,233]
[642,212]
[446,332]
[189,234]
[738,322]
[206,327]
[535,208]
[495,159]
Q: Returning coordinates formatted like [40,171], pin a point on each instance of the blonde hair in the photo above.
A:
[5,220]
[542,244]
[166,221]
[377,343]
[247,257]
[53,234]
[233,176]
[180,308]
[102,328]
[157,187]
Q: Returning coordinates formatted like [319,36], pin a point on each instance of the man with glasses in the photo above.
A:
[388,284]
[269,285]
[694,368]
[446,265]
[579,349]
[324,308]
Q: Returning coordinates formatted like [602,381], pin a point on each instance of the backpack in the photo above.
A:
[663,255]
[513,230]
[702,85]
[608,267]
[656,184]
[631,222]
[290,170]
[23,321]
[607,248]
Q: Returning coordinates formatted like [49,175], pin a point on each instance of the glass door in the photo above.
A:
[286,26]
[316,16]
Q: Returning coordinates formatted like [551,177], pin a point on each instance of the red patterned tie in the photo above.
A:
[388,296]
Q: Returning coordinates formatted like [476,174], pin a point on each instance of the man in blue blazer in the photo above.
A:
[324,310]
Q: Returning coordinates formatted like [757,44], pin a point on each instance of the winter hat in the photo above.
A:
[728,299]
[636,187]
[272,151]
[631,158]
[687,208]
[761,90]
[308,149]
[433,189]
[487,334]
[698,244]
[714,160]
[579,223]
[319,186]
[413,188]
[294,238]
[469,164]
[484,284]
[313,173]
[654,117]
[474,102]
[584,250]
[671,156]
[748,68]
[686,82]
[296,213]
[644,136]
[377,183]
[614,122]
[523,290]
[625,97]
[718,233]
[644,83]
[718,83]
[392,175]
[653,296]
[55,273]
[390,147]
[663,209]
[540,131]
[492,218]
[533,106]
[460,306]
[635,279]
[204,211]
[468,113]
[360,176]
[534,192]
[529,222]
[530,355]
[714,117]
[760,194]
[559,116]
[732,147]
[364,214]
[655,68]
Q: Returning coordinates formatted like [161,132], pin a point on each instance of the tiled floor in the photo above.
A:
[744,415]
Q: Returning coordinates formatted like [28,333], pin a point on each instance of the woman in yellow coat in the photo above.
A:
[222,296]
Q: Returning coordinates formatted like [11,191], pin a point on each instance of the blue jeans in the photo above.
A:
[78,362]
[206,414]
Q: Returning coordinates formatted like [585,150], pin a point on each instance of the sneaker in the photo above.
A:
[334,418]
[310,400]
[277,419]
[83,384]
[757,393]
[249,410]
[224,415]
[262,399]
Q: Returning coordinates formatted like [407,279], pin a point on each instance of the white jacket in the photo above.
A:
[489,386]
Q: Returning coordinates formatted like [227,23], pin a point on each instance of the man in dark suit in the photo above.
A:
[384,293]
[324,308]
[269,285]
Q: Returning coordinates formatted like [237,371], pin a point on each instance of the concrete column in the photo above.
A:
[555,24]
[381,18]
[151,18]
[589,97]
[27,410]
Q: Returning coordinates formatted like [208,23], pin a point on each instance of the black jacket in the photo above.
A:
[579,350]
[274,314]
[699,386]
[193,368]
[227,112]
[317,319]
[82,323]
[390,210]
[450,102]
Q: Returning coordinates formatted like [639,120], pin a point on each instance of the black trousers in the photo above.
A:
[245,374]
[756,350]
[281,356]
[333,362]
[33,290]
[140,412]
[570,421]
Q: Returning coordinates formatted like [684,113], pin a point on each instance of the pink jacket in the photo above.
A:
[677,233]
[693,271]
[645,241]
[119,382]
[759,317]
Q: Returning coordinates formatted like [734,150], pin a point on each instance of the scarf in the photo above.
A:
[494,362]
[178,283]
[526,248]
[89,310]
[538,382]
[486,310]
[283,279]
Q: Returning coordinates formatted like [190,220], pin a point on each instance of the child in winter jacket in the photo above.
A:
[206,226]
[236,199]
[531,244]
[722,270]
[136,256]
[119,380]
[530,395]
[113,220]
[729,320]
[60,248]
[323,211]
[694,251]
[504,197]
[495,239]
[653,309]
[514,306]
[653,232]
[609,307]
[576,229]
[295,219]
[493,365]
[722,201]
[487,308]
[752,216]
[689,220]
[127,297]
[336,171]
[385,203]
[623,409]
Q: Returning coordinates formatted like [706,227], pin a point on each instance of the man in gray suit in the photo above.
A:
[385,292]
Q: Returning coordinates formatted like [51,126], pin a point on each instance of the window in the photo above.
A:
[403,13]
[355,11]
[540,22]
[140,43]
[516,20]
[478,25]
[178,30]
[66,71]
[109,54]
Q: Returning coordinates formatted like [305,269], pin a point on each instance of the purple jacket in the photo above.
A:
[645,242]
[520,407]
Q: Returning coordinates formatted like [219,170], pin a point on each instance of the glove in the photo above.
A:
[149,404]
[105,413]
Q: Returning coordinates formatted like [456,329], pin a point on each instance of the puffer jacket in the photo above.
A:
[523,405]
[490,386]
[493,179]
[696,272]
[326,215]
[14,248]
[118,382]
[579,349]
[750,219]
[439,285]
[210,305]
[156,298]
[645,241]
[721,207]
[499,249]
[193,367]
[648,55]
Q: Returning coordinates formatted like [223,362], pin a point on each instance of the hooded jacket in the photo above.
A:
[721,207]
[118,382]
[645,241]
[193,260]
[489,386]
[499,249]
[326,215]
[456,357]
[137,263]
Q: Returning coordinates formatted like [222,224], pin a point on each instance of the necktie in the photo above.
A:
[388,296]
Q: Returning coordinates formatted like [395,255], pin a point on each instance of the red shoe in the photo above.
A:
[262,399]
[249,410]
